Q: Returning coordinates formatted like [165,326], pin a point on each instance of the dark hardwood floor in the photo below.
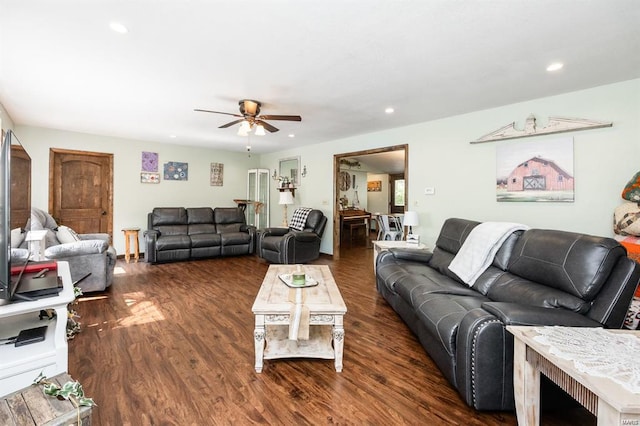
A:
[173,344]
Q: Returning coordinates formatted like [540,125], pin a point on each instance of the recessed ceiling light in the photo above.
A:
[118,27]
[555,66]
[291,135]
[172,136]
[389,110]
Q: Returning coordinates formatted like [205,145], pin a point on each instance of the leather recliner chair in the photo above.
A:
[288,246]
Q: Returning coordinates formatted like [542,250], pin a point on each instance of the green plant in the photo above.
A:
[71,391]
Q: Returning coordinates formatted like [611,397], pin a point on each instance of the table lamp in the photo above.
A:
[411,220]
[286,197]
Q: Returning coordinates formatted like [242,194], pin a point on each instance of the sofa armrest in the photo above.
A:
[98,236]
[304,236]
[413,254]
[518,314]
[150,238]
[248,228]
[77,248]
[275,232]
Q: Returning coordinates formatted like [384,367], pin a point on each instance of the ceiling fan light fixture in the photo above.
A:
[244,128]
[260,130]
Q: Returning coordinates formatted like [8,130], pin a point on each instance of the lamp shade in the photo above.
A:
[410,219]
[286,198]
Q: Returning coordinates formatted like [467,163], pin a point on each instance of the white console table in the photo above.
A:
[19,366]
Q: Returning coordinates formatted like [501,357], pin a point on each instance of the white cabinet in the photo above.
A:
[258,192]
[19,366]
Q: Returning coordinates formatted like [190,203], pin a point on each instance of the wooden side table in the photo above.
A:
[384,245]
[128,233]
[603,397]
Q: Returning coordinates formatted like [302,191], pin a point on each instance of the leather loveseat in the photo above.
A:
[538,277]
[178,233]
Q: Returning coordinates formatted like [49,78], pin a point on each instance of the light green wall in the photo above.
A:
[440,156]
[132,199]
[464,175]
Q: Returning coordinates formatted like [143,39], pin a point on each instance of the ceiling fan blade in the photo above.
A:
[281,117]
[267,126]
[218,112]
[224,126]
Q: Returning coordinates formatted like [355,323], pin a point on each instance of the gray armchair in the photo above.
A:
[289,246]
[91,254]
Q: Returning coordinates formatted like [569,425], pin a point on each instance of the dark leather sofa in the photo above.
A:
[178,233]
[289,246]
[538,277]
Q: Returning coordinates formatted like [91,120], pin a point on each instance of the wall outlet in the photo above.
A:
[430,190]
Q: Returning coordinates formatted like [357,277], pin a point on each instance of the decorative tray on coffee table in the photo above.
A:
[288,280]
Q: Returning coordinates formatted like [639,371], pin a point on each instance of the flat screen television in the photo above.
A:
[12,180]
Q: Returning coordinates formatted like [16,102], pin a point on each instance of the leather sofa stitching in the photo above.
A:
[480,327]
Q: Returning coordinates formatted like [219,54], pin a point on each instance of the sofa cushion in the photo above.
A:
[205,240]
[173,242]
[199,215]
[442,314]
[453,233]
[430,281]
[512,288]
[574,263]
[202,228]
[169,216]
[235,238]
[66,235]
[166,230]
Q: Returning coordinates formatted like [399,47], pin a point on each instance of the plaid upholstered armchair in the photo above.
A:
[300,243]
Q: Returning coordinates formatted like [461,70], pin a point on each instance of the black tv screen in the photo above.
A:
[9,182]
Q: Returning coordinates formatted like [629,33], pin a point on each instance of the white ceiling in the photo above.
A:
[338,64]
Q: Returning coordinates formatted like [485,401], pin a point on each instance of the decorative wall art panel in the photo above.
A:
[539,171]
[374,186]
[149,177]
[217,174]
[554,125]
[174,170]
[149,161]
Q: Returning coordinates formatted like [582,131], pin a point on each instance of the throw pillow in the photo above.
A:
[17,237]
[66,235]
[299,218]
[631,190]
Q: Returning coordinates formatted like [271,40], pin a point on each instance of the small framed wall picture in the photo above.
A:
[217,174]
[149,177]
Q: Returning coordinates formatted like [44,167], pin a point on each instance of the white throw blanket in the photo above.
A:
[479,249]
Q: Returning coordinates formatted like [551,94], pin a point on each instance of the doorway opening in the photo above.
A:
[391,161]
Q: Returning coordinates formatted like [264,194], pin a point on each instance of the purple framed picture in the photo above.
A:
[149,161]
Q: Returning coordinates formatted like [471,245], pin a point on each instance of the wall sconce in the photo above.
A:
[304,171]
[274,176]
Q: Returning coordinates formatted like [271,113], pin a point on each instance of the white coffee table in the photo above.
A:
[273,307]
[384,245]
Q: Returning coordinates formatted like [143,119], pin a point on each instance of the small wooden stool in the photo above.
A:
[129,232]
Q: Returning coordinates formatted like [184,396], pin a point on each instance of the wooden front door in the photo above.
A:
[81,190]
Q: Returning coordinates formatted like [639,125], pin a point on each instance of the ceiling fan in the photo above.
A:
[249,110]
